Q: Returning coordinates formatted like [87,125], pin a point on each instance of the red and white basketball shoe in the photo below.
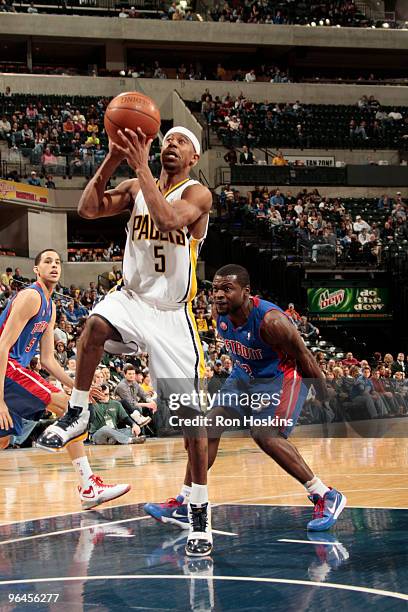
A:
[98,492]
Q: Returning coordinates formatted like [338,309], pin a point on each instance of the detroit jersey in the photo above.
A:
[247,349]
[160,266]
[27,343]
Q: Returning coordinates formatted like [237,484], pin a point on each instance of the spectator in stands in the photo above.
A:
[32,10]
[250,76]
[60,354]
[48,160]
[306,329]
[399,365]
[27,136]
[359,224]
[350,360]
[72,314]
[133,397]
[49,182]
[360,393]
[395,115]
[279,160]
[5,128]
[246,156]
[293,314]
[18,276]
[7,277]
[34,179]
[107,417]
[277,200]
[231,157]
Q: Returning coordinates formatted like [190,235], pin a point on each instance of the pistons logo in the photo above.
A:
[223,326]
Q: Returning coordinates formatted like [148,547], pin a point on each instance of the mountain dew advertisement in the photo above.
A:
[349,303]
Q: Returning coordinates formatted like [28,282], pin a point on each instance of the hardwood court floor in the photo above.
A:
[371,472]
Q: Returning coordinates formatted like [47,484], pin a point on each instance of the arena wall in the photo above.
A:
[207,33]
[162,90]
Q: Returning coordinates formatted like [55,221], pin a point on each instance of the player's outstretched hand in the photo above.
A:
[5,419]
[135,148]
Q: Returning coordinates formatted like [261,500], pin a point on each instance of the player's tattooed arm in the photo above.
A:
[282,336]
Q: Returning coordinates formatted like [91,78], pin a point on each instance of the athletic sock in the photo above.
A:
[83,470]
[199,494]
[79,398]
[316,487]
[185,492]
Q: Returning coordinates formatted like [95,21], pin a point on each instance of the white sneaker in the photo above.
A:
[72,427]
[98,492]
[140,419]
[199,539]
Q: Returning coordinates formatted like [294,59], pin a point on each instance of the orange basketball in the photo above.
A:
[132,110]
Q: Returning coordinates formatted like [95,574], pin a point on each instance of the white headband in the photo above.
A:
[182,130]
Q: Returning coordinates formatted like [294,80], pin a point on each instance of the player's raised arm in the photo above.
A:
[95,201]
[25,306]
[197,199]
[282,336]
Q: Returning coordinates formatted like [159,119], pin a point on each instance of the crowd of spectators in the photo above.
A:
[45,130]
[367,124]
[357,388]
[336,12]
[275,12]
[317,227]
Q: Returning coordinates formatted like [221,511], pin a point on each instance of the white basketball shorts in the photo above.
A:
[169,337]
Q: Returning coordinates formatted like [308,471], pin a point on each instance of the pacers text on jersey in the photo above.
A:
[145,229]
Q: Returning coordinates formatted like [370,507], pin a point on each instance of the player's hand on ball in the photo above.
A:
[136,148]
[115,151]
[5,419]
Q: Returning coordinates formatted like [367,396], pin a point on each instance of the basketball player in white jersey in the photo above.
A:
[152,312]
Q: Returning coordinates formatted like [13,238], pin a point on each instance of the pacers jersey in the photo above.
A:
[247,349]
[27,343]
[160,266]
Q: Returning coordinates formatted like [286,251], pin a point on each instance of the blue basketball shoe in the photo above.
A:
[173,511]
[327,509]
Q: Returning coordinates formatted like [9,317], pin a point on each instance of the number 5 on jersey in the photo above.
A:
[160,266]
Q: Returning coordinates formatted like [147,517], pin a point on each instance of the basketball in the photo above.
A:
[132,110]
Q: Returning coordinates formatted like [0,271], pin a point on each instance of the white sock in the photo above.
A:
[83,470]
[316,487]
[185,492]
[79,398]
[199,494]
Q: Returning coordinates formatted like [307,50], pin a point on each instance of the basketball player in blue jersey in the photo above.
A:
[271,362]
[26,324]
[168,220]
